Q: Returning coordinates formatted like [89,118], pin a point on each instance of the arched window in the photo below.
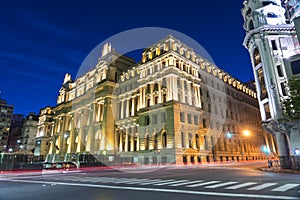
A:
[164,140]
[190,140]
[197,141]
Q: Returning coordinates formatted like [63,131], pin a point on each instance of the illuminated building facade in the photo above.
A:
[5,122]
[172,107]
[29,131]
[274,50]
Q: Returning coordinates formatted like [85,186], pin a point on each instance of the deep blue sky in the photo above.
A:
[40,41]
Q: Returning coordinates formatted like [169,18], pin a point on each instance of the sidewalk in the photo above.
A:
[278,170]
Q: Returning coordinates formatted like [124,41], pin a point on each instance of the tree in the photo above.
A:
[291,105]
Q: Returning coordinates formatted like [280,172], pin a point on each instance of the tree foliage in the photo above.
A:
[292,104]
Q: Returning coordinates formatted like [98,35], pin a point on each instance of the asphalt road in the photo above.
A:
[211,182]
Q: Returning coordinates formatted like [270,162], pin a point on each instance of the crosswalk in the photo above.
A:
[193,184]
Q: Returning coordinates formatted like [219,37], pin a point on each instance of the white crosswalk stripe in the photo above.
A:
[240,186]
[167,183]
[153,182]
[202,184]
[262,186]
[220,185]
[186,183]
[285,187]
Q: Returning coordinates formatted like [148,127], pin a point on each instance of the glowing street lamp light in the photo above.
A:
[246,133]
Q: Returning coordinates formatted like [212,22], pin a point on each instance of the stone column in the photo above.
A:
[159,92]
[132,106]
[132,140]
[175,89]
[122,109]
[121,140]
[72,135]
[169,89]
[151,94]
[141,98]
[189,93]
[126,140]
[127,108]
[183,91]
[91,134]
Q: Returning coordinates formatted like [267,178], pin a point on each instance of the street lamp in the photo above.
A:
[246,133]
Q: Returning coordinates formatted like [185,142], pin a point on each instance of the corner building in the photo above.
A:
[273,45]
[171,107]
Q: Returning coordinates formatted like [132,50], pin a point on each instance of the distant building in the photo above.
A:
[5,121]
[271,39]
[15,133]
[44,132]
[29,131]
[172,107]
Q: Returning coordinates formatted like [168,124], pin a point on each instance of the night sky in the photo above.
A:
[40,41]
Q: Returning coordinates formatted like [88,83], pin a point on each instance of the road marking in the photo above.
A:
[186,183]
[221,185]
[138,181]
[153,181]
[171,182]
[164,190]
[240,186]
[285,187]
[262,186]
[202,184]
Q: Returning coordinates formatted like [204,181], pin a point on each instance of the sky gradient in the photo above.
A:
[40,41]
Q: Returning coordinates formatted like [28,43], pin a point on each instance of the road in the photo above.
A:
[211,182]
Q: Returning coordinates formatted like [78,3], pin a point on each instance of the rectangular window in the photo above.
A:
[147,120]
[189,118]
[283,89]
[154,119]
[196,120]
[279,71]
[181,116]
[274,45]
[295,66]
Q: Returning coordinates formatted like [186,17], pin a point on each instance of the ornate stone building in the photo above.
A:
[274,50]
[29,131]
[171,107]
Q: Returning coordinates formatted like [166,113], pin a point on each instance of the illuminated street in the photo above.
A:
[217,181]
